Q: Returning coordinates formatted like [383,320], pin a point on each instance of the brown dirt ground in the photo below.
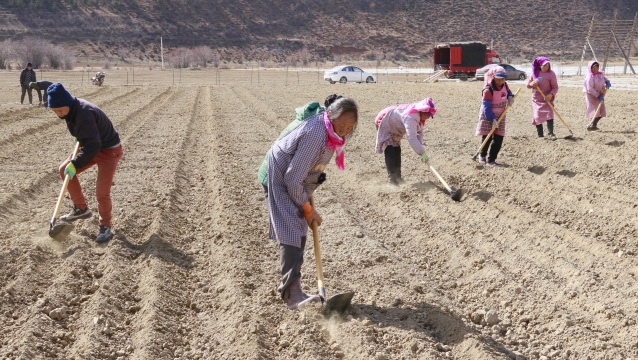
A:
[547,241]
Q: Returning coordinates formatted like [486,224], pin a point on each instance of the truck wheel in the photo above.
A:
[369,79]
[463,76]
[521,77]
[343,80]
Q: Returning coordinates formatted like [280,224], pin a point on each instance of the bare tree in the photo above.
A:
[6,53]
[305,56]
[202,55]
[31,49]
[378,56]
[181,57]
[122,53]
[55,55]
[215,59]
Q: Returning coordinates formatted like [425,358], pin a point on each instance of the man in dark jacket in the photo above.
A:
[99,144]
[39,86]
[27,75]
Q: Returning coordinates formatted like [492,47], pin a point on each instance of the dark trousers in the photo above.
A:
[595,122]
[26,89]
[550,128]
[496,141]
[291,259]
[393,162]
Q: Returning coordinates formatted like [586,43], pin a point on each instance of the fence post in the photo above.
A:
[286,74]
[127,78]
[180,75]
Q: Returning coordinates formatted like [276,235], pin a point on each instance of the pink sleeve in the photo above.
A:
[529,80]
[411,133]
[554,84]
[589,86]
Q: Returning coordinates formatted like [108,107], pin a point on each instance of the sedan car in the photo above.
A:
[345,73]
[512,72]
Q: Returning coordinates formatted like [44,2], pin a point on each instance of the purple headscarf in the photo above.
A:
[537,64]
[589,72]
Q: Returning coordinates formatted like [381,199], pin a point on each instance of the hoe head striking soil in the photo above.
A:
[59,232]
[456,194]
[335,305]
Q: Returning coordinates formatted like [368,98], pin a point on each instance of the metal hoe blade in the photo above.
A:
[457,194]
[59,232]
[338,303]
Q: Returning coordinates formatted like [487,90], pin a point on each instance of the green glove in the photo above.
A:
[69,170]
[75,139]
[425,158]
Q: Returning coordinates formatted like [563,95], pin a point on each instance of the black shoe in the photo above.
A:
[76,214]
[105,234]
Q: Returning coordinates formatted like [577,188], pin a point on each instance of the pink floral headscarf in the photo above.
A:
[537,64]
[493,72]
[426,106]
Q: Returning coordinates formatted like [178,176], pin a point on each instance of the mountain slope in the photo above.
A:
[266,29]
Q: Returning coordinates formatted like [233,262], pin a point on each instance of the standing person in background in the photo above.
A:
[296,162]
[39,86]
[595,88]
[99,145]
[496,96]
[27,75]
[545,79]
[398,121]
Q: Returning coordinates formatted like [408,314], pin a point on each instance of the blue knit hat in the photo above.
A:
[58,96]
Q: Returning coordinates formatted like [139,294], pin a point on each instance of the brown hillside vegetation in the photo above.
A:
[256,30]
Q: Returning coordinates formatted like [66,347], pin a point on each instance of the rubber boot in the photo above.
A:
[293,294]
[550,129]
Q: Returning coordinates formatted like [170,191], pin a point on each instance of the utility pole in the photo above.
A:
[162,51]
[582,57]
[611,38]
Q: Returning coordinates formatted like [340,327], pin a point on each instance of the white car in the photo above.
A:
[345,73]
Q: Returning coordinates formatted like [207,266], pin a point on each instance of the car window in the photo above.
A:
[344,69]
[357,69]
[507,67]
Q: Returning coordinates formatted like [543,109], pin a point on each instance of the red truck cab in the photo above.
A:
[462,59]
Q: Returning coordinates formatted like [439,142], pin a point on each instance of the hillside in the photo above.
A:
[273,29]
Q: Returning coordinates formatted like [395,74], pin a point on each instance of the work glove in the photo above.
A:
[601,98]
[425,158]
[539,79]
[75,139]
[310,214]
[510,100]
[69,170]
[607,84]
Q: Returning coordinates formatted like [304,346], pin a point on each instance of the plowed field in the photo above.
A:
[537,261]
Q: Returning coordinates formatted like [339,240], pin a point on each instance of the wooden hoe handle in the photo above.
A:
[498,121]
[67,179]
[315,237]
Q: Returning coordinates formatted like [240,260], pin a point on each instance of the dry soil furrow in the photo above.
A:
[35,163]
[132,314]
[61,278]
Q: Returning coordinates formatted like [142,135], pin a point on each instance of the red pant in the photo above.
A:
[106,161]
